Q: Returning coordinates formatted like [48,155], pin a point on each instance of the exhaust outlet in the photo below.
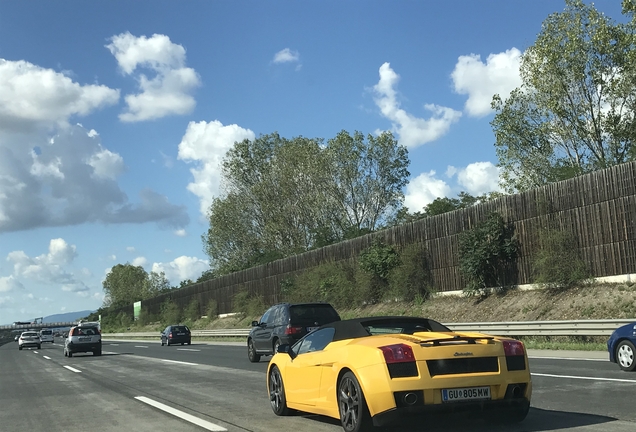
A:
[516,392]
[410,399]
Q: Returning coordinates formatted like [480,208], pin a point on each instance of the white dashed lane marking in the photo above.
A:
[181,362]
[182,415]
[72,369]
[47,357]
[140,346]
[187,349]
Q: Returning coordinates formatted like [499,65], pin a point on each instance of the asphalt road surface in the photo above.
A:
[143,386]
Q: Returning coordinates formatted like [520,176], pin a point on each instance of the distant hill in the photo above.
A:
[67,317]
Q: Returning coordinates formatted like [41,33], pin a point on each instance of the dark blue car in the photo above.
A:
[621,347]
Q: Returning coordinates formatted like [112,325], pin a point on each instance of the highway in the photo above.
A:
[142,386]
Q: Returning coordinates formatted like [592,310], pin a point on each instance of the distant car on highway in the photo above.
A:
[29,339]
[46,335]
[176,334]
[85,337]
[621,347]
[15,339]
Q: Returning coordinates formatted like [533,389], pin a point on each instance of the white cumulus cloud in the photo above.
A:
[423,190]
[168,91]
[33,97]
[48,268]
[412,131]
[477,178]
[286,56]
[140,261]
[481,81]
[205,145]
[9,283]
[182,268]
[68,180]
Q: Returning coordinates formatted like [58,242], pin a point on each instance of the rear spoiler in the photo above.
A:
[455,339]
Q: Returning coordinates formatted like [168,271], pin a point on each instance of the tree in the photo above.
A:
[286,196]
[126,284]
[574,112]
[369,178]
[158,283]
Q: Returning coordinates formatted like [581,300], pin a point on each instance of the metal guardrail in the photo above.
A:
[38,325]
[518,328]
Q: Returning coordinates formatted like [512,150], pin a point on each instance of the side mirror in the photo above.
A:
[286,348]
[254,323]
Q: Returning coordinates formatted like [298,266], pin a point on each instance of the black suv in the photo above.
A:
[285,323]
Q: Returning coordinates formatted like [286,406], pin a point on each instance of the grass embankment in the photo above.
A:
[592,301]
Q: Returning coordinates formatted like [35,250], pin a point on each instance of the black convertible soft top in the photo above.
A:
[362,327]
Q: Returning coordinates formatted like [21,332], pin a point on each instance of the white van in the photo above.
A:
[46,335]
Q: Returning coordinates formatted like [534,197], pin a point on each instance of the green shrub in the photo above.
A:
[557,263]
[192,312]
[412,279]
[378,260]
[212,310]
[170,313]
[248,304]
[487,254]
[331,282]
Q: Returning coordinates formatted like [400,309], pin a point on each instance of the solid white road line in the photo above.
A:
[182,415]
[584,378]
[187,349]
[181,362]
[47,357]
[73,369]
[568,358]
[114,344]
[140,346]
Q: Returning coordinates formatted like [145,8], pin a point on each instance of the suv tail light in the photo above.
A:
[289,330]
[170,335]
[399,353]
[513,347]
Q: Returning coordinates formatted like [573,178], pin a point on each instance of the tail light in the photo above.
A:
[400,360]
[515,355]
[170,335]
[513,348]
[289,330]
[399,353]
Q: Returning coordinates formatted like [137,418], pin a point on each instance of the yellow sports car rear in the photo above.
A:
[376,371]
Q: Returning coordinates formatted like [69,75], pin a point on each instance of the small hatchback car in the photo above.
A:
[85,337]
[176,334]
[285,323]
[29,339]
[46,335]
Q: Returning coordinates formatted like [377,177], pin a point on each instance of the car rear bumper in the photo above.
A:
[78,348]
[30,344]
[494,409]
[179,339]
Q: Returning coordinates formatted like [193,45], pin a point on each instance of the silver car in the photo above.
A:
[85,337]
[29,339]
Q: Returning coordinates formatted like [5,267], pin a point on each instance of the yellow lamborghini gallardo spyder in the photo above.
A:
[375,371]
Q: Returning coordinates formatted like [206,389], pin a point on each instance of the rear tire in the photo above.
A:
[39,346]
[276,345]
[70,354]
[97,353]
[354,414]
[625,356]
[277,398]
[20,347]
[162,344]
[251,352]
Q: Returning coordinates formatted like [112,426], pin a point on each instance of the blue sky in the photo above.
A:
[115,115]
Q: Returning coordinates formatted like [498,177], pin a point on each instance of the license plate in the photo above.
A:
[467,393]
[85,339]
[310,329]
[180,334]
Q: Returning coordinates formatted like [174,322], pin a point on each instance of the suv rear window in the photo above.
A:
[47,332]
[323,314]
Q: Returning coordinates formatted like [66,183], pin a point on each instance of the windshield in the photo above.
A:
[310,314]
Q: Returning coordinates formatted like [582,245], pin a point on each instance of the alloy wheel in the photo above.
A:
[350,404]
[625,356]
